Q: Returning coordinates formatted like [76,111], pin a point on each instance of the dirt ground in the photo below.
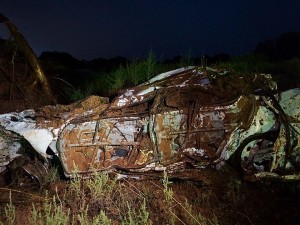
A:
[220,196]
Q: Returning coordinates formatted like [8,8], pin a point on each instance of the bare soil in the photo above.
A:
[220,196]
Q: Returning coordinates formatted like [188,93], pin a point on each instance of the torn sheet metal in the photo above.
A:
[10,150]
[104,144]
[23,124]
[199,114]
[38,129]
[283,160]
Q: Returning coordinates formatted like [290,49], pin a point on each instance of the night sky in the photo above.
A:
[90,29]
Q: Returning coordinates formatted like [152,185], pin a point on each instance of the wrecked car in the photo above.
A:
[197,115]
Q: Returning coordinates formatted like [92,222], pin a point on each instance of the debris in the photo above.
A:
[190,116]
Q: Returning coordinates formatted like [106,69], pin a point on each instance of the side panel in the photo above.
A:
[103,144]
[175,132]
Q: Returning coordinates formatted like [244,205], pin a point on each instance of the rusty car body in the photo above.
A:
[200,115]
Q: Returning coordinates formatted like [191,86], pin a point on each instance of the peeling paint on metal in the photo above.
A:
[26,127]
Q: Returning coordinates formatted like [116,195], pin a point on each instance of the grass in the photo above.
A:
[136,217]
[9,213]
[101,218]
[248,63]
[49,213]
[139,70]
[76,94]
[135,72]
[52,176]
[168,192]
[101,199]
[100,186]
[286,73]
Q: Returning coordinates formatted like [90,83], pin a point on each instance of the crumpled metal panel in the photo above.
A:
[103,144]
[10,149]
[290,102]
[24,124]
[263,121]
[175,132]
[263,153]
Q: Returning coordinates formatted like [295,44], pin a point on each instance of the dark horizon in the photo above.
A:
[107,29]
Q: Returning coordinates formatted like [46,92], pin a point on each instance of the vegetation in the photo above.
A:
[102,199]
[218,197]
[110,81]
[137,71]
[9,212]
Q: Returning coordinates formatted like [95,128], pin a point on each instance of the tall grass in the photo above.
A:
[286,73]
[134,73]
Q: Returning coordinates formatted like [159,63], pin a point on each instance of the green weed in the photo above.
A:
[100,184]
[76,184]
[248,63]
[198,218]
[79,94]
[234,192]
[101,218]
[135,72]
[150,66]
[137,217]
[9,212]
[52,176]
[50,213]
[168,192]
